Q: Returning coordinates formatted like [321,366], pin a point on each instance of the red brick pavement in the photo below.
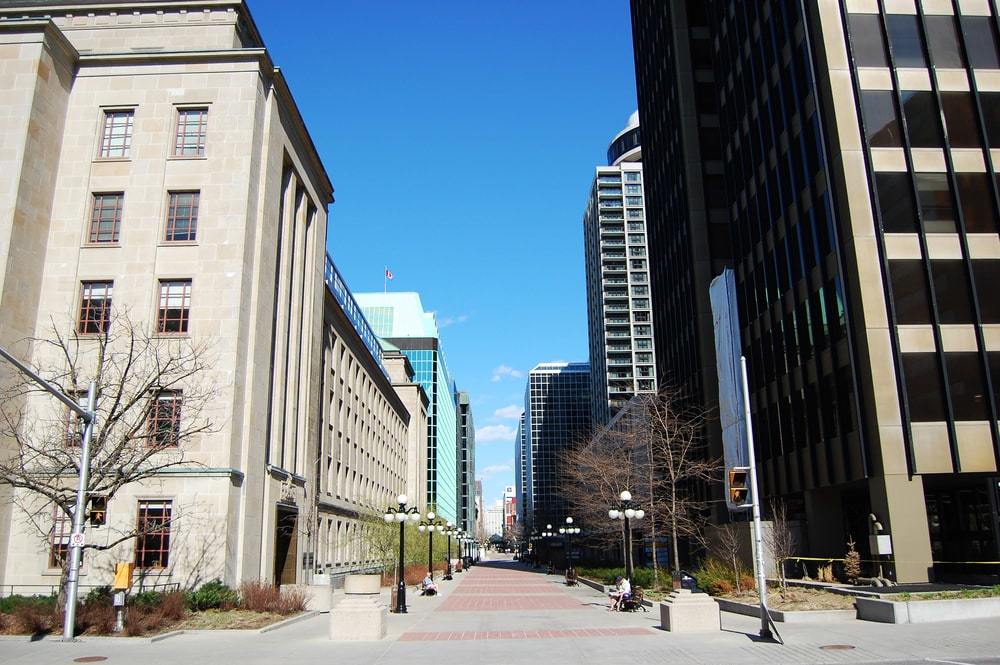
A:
[476,603]
[525,634]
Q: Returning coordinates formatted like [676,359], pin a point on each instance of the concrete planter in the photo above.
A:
[320,596]
[799,616]
[926,611]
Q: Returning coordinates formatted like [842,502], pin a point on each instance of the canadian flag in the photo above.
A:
[388,274]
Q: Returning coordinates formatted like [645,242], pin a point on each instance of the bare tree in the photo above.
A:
[728,542]
[152,397]
[780,540]
[679,463]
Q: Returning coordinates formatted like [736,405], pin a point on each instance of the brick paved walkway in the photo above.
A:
[502,601]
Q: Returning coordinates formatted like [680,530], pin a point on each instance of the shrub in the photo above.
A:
[147,599]
[718,578]
[258,596]
[34,619]
[292,601]
[143,619]
[852,563]
[747,582]
[95,616]
[212,595]
[640,576]
[174,605]
[10,603]
[100,595]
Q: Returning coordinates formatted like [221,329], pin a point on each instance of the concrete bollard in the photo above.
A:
[361,615]
[686,612]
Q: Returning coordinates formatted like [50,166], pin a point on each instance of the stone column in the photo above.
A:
[361,615]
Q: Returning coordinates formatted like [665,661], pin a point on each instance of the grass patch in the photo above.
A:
[986,592]
[227,620]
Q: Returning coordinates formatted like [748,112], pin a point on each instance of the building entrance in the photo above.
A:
[285,546]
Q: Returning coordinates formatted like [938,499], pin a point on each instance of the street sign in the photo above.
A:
[77,540]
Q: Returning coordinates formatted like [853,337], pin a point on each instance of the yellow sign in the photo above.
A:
[123,576]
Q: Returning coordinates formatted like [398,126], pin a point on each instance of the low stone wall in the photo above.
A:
[927,611]
[801,616]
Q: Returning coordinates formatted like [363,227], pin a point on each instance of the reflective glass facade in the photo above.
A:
[466,465]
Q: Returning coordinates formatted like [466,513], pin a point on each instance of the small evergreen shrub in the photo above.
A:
[212,595]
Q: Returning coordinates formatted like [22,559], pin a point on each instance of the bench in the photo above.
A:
[634,602]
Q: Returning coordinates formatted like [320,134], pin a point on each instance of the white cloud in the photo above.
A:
[494,433]
[446,321]
[512,412]
[504,371]
[494,469]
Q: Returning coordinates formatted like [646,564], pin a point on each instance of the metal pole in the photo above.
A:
[55,392]
[447,575]
[758,539]
[628,549]
[430,551]
[401,584]
[76,550]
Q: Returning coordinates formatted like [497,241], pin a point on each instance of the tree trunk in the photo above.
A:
[652,517]
[673,530]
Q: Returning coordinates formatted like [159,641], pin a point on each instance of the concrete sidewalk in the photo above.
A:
[502,613]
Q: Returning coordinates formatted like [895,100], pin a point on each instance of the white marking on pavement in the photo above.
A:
[950,662]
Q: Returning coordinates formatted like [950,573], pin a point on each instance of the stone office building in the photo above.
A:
[155,161]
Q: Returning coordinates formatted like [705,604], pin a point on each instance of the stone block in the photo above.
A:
[687,612]
[361,615]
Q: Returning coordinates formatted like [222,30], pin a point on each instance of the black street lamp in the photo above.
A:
[569,531]
[627,511]
[400,514]
[451,531]
[429,525]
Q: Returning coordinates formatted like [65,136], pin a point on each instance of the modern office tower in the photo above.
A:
[857,142]
[521,469]
[557,417]
[619,315]
[401,373]
[480,528]
[494,519]
[466,465]
[400,319]
[158,165]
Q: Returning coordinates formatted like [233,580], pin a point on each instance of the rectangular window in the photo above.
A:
[952,291]
[95,308]
[633,189]
[164,421]
[936,207]
[62,527]
[904,40]
[976,202]
[922,378]
[967,385]
[152,545]
[192,128]
[981,40]
[990,105]
[116,134]
[106,218]
[987,275]
[895,202]
[881,121]
[867,42]
[960,119]
[923,121]
[909,292]
[942,41]
[182,216]
[175,306]
[633,200]
[632,176]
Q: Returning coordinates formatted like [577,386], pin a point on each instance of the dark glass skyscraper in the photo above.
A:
[864,234]
[556,416]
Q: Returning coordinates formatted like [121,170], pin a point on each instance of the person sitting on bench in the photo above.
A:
[427,587]
[623,590]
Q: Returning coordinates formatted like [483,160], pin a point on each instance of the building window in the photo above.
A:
[967,385]
[895,202]
[182,216]
[633,189]
[922,378]
[960,119]
[987,275]
[923,121]
[106,218]
[164,422]
[976,202]
[866,40]
[152,545]
[175,306]
[633,200]
[192,128]
[116,134]
[632,176]
[62,527]
[981,40]
[936,208]
[909,292]
[95,308]
[952,291]
[942,41]
[904,40]
[881,121]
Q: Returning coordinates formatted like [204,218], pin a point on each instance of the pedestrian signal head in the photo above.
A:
[739,487]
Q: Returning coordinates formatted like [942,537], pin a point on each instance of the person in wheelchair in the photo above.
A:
[428,587]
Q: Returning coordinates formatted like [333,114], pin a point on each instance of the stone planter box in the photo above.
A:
[926,611]
[779,616]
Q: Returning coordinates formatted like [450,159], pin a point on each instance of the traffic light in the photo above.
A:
[739,488]
[97,513]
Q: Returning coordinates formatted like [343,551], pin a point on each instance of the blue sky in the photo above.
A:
[461,137]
